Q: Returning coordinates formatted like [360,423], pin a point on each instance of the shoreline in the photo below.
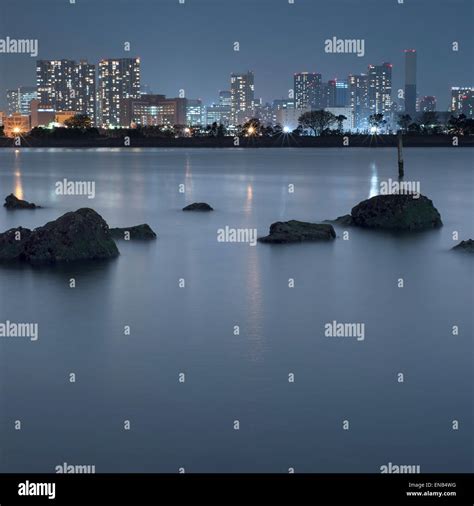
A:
[333,141]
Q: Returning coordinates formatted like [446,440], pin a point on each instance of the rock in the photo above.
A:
[465,246]
[298,231]
[143,231]
[12,243]
[11,202]
[79,235]
[393,212]
[342,220]
[198,206]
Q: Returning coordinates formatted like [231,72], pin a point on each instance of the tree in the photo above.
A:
[317,121]
[376,121]
[212,129]
[403,121]
[79,121]
[340,120]
[414,128]
[277,129]
[428,121]
[221,130]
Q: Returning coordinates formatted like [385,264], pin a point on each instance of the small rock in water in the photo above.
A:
[298,231]
[466,246]
[12,202]
[198,206]
[407,212]
[143,231]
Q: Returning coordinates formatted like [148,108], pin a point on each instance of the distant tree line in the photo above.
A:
[315,123]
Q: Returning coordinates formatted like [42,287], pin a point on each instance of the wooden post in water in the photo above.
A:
[401,172]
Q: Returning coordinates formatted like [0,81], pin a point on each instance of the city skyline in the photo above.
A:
[110,95]
[274,53]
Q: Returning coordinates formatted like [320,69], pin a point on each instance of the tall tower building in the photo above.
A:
[65,85]
[242,91]
[410,82]
[55,84]
[358,99]
[380,88]
[85,90]
[119,79]
[308,90]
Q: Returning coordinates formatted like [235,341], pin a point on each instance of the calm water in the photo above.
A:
[190,329]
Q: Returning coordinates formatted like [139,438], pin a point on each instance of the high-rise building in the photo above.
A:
[55,84]
[359,99]
[462,100]
[427,104]
[242,91]
[67,85]
[264,112]
[225,98]
[19,99]
[341,95]
[329,94]
[410,82]
[217,113]
[380,88]
[307,90]
[194,112]
[119,79]
[85,90]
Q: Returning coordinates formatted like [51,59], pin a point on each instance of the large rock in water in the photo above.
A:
[465,246]
[198,206]
[79,235]
[394,212]
[12,202]
[143,231]
[298,231]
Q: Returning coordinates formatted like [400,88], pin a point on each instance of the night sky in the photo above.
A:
[190,46]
